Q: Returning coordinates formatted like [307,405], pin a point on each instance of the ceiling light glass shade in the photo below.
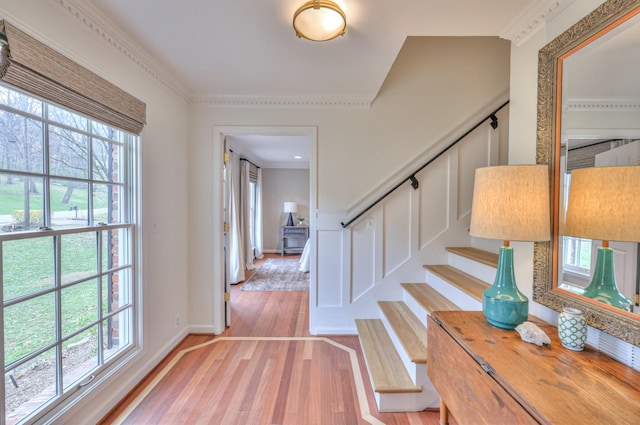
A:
[319,20]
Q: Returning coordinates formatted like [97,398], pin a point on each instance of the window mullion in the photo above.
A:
[2,390]
[47,179]
[58,307]
[99,295]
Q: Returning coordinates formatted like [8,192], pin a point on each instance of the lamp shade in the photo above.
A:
[511,203]
[603,204]
[290,207]
[319,20]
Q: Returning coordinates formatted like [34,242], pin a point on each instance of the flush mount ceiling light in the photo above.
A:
[319,20]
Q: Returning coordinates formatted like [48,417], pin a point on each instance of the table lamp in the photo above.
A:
[290,207]
[602,205]
[509,203]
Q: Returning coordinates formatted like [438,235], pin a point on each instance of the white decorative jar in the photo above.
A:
[572,329]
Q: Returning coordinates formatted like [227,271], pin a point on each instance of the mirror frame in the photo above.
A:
[620,324]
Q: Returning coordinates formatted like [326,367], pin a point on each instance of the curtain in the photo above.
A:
[235,248]
[245,214]
[258,217]
[38,69]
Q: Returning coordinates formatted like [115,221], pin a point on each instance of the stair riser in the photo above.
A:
[478,270]
[414,402]
[460,298]
[415,306]
[406,361]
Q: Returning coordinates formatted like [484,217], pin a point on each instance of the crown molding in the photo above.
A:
[101,25]
[310,102]
[601,105]
[532,19]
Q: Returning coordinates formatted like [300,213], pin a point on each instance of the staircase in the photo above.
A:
[394,345]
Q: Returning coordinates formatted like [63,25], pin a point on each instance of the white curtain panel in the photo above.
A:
[245,214]
[234,239]
[258,218]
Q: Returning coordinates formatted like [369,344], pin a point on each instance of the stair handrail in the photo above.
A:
[412,177]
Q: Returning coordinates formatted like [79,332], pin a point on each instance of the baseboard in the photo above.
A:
[202,329]
[98,402]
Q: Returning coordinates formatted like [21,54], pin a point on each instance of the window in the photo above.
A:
[68,209]
[577,255]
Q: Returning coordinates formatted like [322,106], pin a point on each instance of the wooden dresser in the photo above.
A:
[486,375]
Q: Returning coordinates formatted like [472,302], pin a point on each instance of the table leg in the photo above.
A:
[444,413]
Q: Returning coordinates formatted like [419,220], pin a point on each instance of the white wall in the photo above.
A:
[435,84]
[280,185]
[164,189]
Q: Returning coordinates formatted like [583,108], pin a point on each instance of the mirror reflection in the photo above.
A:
[600,127]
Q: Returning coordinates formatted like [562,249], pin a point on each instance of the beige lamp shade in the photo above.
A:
[290,207]
[604,203]
[511,203]
[319,20]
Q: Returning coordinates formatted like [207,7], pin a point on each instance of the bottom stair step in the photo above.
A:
[387,372]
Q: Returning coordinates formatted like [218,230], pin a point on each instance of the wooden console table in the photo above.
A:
[293,232]
[486,375]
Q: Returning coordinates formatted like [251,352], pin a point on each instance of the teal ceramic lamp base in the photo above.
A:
[603,286]
[503,304]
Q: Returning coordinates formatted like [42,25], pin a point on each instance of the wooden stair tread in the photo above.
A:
[385,367]
[411,332]
[461,280]
[430,299]
[475,254]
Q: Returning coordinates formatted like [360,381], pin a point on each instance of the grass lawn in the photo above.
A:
[12,198]
[29,267]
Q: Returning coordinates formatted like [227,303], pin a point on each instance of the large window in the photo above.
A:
[67,252]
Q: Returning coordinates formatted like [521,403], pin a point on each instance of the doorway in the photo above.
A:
[261,137]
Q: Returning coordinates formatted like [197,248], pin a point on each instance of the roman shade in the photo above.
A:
[30,65]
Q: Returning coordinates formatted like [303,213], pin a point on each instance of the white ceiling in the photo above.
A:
[246,51]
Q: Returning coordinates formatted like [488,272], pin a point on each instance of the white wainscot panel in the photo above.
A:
[434,200]
[329,286]
[363,257]
[397,229]
[473,153]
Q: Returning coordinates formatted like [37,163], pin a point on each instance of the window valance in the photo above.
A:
[38,69]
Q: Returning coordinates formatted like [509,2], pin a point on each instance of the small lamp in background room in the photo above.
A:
[603,204]
[290,207]
[509,203]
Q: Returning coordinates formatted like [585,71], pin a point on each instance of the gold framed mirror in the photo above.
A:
[558,131]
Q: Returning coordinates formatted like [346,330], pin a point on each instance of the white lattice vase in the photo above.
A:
[572,328]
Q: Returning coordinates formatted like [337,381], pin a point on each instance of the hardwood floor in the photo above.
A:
[265,369]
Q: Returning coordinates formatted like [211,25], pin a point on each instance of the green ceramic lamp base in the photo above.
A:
[603,286]
[503,304]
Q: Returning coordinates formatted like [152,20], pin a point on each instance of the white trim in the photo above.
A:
[305,102]
[532,19]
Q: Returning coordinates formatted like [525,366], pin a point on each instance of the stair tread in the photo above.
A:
[385,367]
[411,332]
[430,299]
[475,254]
[461,280]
